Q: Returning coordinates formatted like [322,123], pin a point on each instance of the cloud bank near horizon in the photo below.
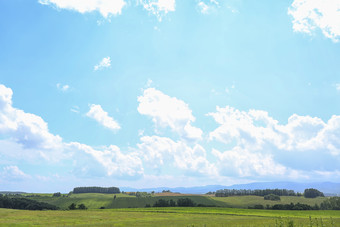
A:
[257,147]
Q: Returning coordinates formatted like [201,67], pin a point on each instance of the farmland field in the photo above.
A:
[170,217]
[96,200]
[246,201]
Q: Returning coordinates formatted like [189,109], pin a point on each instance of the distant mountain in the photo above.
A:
[329,188]
[11,193]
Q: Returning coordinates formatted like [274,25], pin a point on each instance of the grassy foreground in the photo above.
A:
[170,217]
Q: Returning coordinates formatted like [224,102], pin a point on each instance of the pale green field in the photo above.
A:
[246,201]
[169,217]
[95,200]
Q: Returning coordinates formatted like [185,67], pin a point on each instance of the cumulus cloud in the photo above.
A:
[169,112]
[97,113]
[62,87]
[24,136]
[13,173]
[27,129]
[104,63]
[239,162]
[159,8]
[311,14]
[158,152]
[105,7]
[256,133]
[114,162]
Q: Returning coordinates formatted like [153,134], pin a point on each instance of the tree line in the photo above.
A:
[308,193]
[181,202]
[110,190]
[24,204]
[332,203]
[291,206]
[258,192]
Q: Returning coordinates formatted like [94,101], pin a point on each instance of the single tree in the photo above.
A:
[72,206]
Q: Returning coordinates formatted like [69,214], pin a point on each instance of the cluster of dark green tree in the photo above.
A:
[312,193]
[291,206]
[332,203]
[110,190]
[142,194]
[57,194]
[181,202]
[24,204]
[258,192]
[74,206]
[272,197]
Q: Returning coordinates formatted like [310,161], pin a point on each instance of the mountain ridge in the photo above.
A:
[329,188]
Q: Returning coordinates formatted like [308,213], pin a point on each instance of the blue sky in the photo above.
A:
[148,93]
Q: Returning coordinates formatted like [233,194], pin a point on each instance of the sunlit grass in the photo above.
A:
[169,217]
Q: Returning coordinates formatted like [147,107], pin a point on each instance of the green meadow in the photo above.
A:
[246,201]
[128,210]
[97,200]
[203,216]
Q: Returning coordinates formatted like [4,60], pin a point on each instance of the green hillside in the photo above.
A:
[96,200]
[246,201]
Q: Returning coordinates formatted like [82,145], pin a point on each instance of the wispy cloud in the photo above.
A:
[104,63]
[337,86]
[63,87]
[97,113]
[311,14]
[207,6]
[75,109]
[159,8]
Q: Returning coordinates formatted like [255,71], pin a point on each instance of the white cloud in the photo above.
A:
[159,8]
[115,162]
[207,6]
[256,128]
[169,112]
[27,129]
[62,87]
[104,63]
[25,136]
[240,162]
[105,7]
[97,113]
[161,151]
[13,173]
[311,14]
[75,109]
[303,137]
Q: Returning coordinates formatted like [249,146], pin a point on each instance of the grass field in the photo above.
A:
[95,200]
[246,201]
[170,217]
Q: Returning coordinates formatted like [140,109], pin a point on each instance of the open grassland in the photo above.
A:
[96,200]
[246,201]
[170,217]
